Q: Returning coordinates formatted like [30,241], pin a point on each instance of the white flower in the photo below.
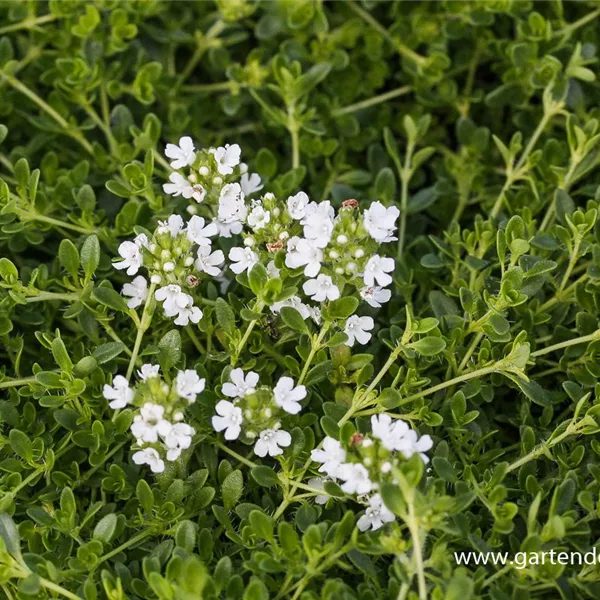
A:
[173,299]
[239,386]
[208,262]
[332,455]
[147,426]
[357,329]
[181,186]
[227,158]
[269,442]
[232,207]
[189,385]
[250,183]
[136,291]
[377,269]
[293,302]
[296,205]
[319,484]
[305,255]
[150,457]
[244,259]
[173,225]
[226,230]
[318,223]
[411,444]
[183,154]
[377,514]
[177,439]
[375,296]
[229,419]
[272,271]
[322,288]
[356,479]
[131,254]
[258,218]
[148,371]
[380,222]
[198,232]
[390,432]
[287,396]
[119,393]
[314,312]
[188,313]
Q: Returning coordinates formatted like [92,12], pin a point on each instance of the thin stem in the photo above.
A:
[15,83]
[134,540]
[235,455]
[141,329]
[345,110]
[221,86]
[49,585]
[314,348]
[571,265]
[386,367]
[584,339]
[403,50]
[405,175]
[31,215]
[202,47]
[470,351]
[16,382]
[195,340]
[417,550]
[441,386]
[568,29]
[28,23]
[46,296]
[235,356]
[541,449]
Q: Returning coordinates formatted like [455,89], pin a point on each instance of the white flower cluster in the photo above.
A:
[176,256]
[372,459]
[214,175]
[158,425]
[255,412]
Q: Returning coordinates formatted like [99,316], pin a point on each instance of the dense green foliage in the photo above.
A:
[479,120]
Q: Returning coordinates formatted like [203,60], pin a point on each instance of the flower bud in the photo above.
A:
[168,267]
[155,279]
[204,170]
[342,239]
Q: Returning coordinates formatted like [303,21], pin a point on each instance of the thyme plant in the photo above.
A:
[299,300]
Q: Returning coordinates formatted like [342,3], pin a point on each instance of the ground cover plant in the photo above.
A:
[298,299]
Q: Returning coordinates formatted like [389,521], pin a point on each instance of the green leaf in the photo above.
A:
[225,316]
[10,535]
[90,256]
[257,278]
[68,256]
[293,319]
[428,346]
[105,352]
[59,351]
[110,298]
[106,528]
[264,476]
[342,308]
[21,444]
[262,525]
[232,489]
[169,348]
